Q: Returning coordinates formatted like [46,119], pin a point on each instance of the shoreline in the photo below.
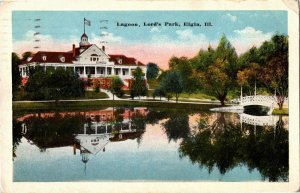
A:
[96,103]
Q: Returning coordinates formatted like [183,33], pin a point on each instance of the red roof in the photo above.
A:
[124,60]
[52,57]
[56,57]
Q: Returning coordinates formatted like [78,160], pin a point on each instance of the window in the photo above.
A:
[44,58]
[108,70]
[120,61]
[62,59]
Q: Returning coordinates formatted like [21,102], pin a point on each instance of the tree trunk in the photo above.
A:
[222,98]
[280,101]
[222,102]
[177,97]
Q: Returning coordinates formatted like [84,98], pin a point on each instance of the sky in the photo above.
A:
[58,30]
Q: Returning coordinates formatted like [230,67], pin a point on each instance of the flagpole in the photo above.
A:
[84,25]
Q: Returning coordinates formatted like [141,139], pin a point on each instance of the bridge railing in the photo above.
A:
[258,99]
[259,120]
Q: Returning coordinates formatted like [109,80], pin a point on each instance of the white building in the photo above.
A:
[88,60]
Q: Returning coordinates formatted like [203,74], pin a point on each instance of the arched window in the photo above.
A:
[44,58]
[94,57]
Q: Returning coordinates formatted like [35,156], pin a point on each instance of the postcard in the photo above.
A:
[149,96]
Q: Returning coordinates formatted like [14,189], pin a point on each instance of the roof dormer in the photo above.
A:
[62,59]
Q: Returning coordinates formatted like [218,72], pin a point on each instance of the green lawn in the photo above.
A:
[284,111]
[196,96]
[71,105]
[21,96]
[94,95]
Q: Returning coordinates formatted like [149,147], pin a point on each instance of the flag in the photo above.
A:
[87,22]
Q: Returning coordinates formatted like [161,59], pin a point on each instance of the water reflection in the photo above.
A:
[221,141]
[110,125]
[227,144]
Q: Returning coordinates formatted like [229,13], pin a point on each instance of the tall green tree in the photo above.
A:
[186,72]
[220,76]
[116,87]
[152,71]
[138,86]
[16,77]
[203,59]
[54,84]
[217,82]
[274,75]
[172,83]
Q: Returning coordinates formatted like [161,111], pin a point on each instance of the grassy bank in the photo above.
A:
[22,96]
[284,111]
[66,105]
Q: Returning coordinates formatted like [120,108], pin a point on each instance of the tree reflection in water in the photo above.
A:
[177,127]
[17,135]
[225,144]
[218,141]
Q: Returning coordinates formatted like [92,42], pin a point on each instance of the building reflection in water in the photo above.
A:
[104,127]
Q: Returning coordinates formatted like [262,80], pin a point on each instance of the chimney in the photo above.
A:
[73,50]
[103,48]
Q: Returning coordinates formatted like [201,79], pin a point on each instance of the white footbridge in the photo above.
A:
[260,100]
[269,120]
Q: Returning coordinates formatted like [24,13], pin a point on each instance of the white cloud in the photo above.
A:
[108,37]
[248,37]
[231,17]
[155,29]
[189,36]
[250,32]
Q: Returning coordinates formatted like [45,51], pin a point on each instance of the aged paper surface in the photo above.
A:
[6,38]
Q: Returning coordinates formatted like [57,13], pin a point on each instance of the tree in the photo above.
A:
[172,83]
[26,55]
[173,62]
[138,86]
[116,87]
[16,77]
[217,82]
[204,59]
[159,92]
[152,71]
[184,68]
[54,84]
[274,75]
[268,65]
[220,76]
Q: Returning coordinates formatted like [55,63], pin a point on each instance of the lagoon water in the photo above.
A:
[129,144]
